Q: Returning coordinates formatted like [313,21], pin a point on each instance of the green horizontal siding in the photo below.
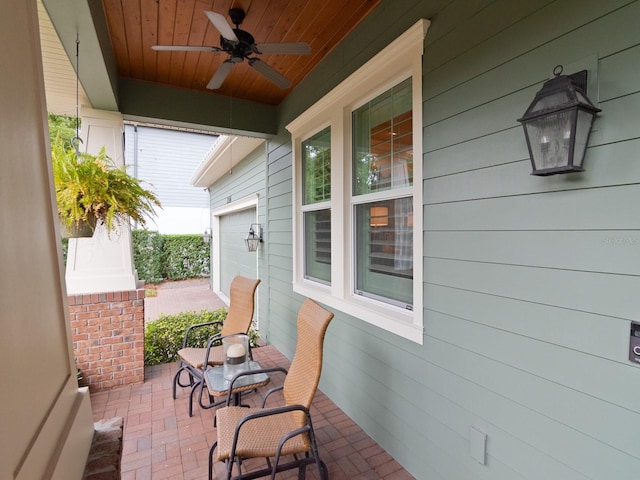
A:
[529,283]
[245,179]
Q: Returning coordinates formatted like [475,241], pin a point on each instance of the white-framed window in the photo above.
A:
[357,242]
[382,196]
[316,205]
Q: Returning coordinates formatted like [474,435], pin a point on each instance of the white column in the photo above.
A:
[46,423]
[103,263]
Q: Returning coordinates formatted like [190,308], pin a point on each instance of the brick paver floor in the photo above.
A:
[162,442]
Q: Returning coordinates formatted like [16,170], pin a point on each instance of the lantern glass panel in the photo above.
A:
[582,99]
[252,243]
[550,139]
[551,101]
[583,128]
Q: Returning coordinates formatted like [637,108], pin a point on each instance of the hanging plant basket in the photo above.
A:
[91,189]
[79,229]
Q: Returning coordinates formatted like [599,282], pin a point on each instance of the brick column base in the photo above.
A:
[108,337]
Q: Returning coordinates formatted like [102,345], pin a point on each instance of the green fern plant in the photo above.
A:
[91,188]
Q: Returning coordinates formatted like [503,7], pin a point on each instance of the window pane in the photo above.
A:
[317,245]
[383,142]
[316,167]
[384,250]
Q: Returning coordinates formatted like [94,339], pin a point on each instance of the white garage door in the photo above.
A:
[234,258]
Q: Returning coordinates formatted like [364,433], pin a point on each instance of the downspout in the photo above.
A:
[135,156]
[135,151]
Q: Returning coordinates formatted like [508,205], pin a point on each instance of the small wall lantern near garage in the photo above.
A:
[557,124]
[206,236]
[253,239]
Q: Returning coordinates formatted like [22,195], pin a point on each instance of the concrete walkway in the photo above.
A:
[181,296]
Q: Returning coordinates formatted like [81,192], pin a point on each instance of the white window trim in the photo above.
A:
[398,61]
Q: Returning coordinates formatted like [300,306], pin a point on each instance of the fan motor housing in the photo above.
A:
[240,50]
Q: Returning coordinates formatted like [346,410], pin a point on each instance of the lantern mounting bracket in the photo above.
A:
[580,79]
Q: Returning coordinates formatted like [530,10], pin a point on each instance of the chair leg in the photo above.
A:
[324,472]
[193,389]
[204,391]
[176,378]
[201,393]
[322,468]
[230,468]
[211,450]
[175,381]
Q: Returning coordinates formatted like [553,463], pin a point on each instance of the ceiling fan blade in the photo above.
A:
[184,48]
[270,73]
[220,75]
[285,48]
[222,25]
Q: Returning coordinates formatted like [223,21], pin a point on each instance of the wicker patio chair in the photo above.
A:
[195,360]
[272,433]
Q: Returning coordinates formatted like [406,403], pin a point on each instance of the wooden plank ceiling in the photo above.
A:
[136,25]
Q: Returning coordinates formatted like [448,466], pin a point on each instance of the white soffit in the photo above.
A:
[225,154]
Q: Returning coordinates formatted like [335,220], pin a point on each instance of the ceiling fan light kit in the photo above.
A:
[240,45]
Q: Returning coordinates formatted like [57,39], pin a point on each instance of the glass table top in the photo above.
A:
[219,386]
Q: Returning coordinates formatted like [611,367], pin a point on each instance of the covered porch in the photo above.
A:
[162,441]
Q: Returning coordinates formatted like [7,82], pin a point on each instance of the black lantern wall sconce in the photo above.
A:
[558,123]
[253,239]
[206,236]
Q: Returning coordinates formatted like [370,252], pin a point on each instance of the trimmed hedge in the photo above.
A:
[185,257]
[65,249]
[148,250]
[160,257]
[163,337]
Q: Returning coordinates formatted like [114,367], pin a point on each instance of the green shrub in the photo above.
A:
[185,256]
[148,251]
[65,250]
[163,337]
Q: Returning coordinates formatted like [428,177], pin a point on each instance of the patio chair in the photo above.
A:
[195,360]
[272,433]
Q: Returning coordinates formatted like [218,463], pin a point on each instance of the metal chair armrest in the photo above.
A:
[252,372]
[210,342]
[197,325]
[266,412]
[269,392]
[212,339]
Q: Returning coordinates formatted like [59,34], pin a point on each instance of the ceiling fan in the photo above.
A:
[240,45]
